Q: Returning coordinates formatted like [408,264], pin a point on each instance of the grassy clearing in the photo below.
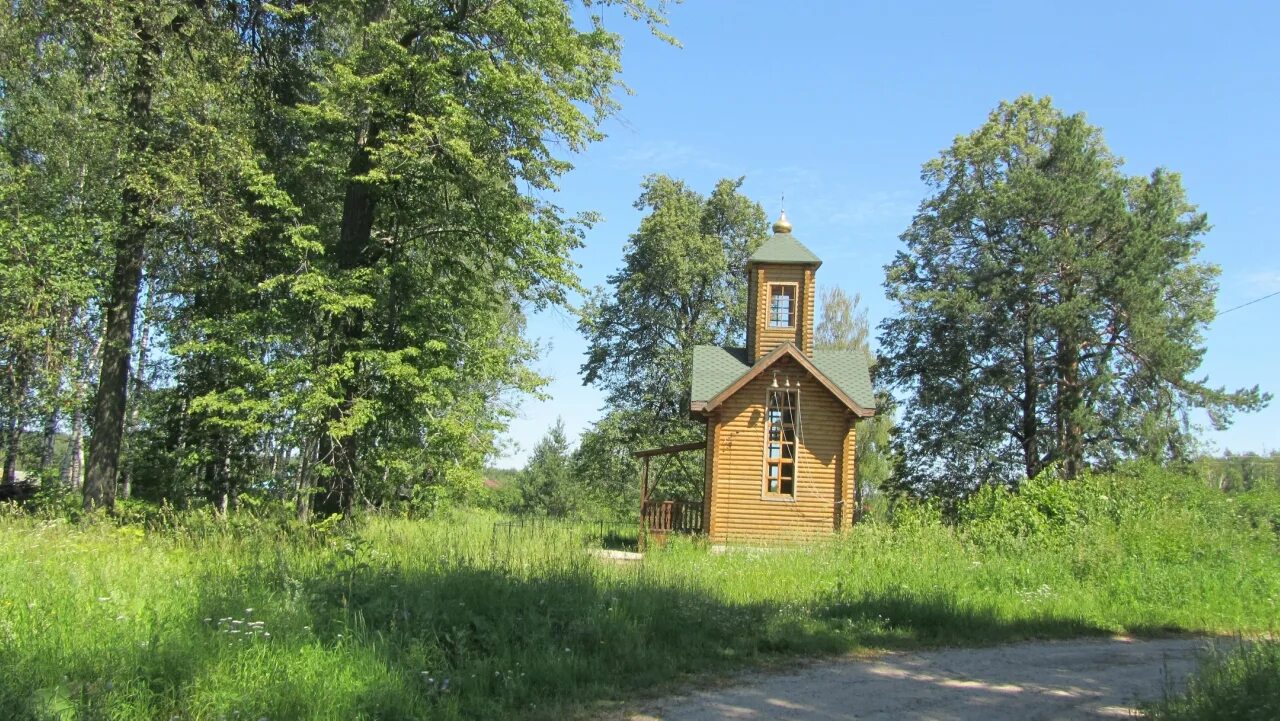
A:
[432,619]
[1239,684]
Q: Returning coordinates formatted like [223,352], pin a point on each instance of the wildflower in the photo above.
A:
[248,610]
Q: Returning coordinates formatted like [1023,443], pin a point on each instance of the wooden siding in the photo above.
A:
[754,274]
[709,459]
[805,343]
[738,508]
[760,337]
[848,487]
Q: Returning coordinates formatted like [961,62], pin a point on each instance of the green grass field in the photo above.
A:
[399,619]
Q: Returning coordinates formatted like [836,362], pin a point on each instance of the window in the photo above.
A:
[780,443]
[782,303]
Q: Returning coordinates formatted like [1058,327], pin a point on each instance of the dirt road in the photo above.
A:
[1094,679]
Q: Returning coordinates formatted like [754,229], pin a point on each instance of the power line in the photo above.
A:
[1255,300]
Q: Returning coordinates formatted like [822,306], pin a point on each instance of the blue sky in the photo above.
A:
[838,104]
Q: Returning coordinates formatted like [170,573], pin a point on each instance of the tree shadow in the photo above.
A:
[904,620]
[370,638]
[467,641]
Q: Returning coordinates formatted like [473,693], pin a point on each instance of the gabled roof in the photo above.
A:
[719,372]
[784,248]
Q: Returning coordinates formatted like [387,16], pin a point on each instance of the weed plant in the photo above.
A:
[191,617]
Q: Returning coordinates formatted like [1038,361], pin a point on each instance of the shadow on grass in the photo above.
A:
[472,642]
[465,641]
[904,620]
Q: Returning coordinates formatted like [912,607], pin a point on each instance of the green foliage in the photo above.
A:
[1240,684]
[1241,472]
[204,616]
[1052,309]
[844,326]
[547,484]
[605,470]
[682,284]
[333,215]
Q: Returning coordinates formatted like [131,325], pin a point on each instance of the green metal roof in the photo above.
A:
[716,368]
[784,248]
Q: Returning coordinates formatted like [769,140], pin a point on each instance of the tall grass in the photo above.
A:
[402,619]
[1242,684]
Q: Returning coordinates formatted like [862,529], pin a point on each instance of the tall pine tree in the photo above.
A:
[1051,308]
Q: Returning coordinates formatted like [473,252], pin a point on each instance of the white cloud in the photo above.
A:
[664,156]
[1264,281]
[874,209]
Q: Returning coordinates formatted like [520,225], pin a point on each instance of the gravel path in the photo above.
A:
[1095,679]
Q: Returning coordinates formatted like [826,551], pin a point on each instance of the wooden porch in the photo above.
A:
[660,518]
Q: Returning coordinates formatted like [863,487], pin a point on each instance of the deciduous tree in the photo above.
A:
[844,326]
[682,283]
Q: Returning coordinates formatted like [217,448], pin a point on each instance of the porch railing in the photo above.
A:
[671,517]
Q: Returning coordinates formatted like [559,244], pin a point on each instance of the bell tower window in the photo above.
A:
[782,305]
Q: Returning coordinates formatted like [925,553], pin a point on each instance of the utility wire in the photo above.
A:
[1255,300]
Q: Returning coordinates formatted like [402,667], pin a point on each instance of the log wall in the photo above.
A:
[760,337]
[739,509]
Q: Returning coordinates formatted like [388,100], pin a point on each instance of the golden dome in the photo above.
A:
[782,225]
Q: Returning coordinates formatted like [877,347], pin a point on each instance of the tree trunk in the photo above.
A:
[12,443]
[137,383]
[1070,400]
[49,439]
[302,487]
[1030,395]
[75,449]
[74,475]
[1070,394]
[126,280]
[228,487]
[13,428]
[355,250]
